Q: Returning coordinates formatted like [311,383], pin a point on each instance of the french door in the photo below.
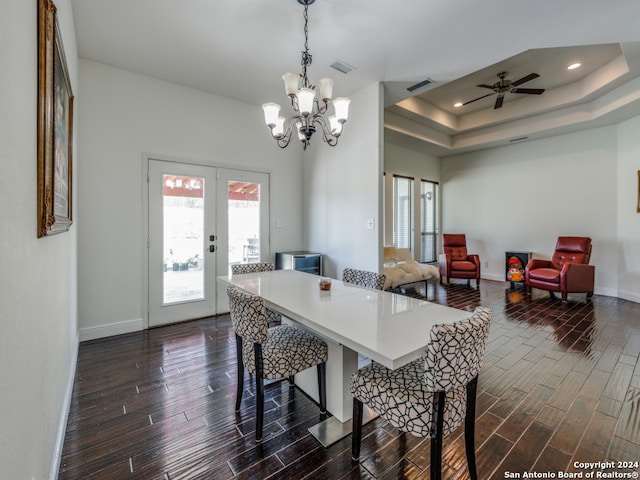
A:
[200,218]
[243,222]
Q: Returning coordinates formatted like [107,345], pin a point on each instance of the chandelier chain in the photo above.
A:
[306,56]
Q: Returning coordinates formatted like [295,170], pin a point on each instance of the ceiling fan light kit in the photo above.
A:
[504,86]
[310,103]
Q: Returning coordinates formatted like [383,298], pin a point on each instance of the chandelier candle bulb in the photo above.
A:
[291,81]
[326,88]
[305,100]
[271,111]
[301,135]
[334,125]
[341,106]
[278,130]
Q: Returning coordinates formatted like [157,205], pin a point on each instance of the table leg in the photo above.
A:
[341,363]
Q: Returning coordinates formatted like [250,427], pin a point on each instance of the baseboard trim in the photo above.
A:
[110,330]
[492,276]
[64,414]
[631,296]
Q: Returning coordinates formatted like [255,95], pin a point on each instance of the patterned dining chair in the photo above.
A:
[238,268]
[273,318]
[271,353]
[364,278]
[431,396]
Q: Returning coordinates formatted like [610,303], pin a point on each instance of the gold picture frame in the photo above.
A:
[638,208]
[55,127]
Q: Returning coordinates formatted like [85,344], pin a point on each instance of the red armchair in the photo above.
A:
[568,271]
[455,262]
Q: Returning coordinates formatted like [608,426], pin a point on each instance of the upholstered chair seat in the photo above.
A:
[463,265]
[271,353]
[286,350]
[405,402]
[364,278]
[431,396]
[546,275]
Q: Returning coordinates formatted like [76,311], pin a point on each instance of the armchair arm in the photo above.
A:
[475,258]
[577,277]
[538,263]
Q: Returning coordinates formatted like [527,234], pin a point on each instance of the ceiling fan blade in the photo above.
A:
[532,91]
[499,101]
[484,85]
[483,96]
[522,80]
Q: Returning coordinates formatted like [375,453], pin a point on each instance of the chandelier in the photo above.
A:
[309,104]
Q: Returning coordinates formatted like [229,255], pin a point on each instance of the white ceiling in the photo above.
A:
[240,49]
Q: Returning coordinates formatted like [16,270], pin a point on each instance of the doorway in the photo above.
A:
[200,219]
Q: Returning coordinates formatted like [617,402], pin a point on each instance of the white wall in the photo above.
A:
[122,116]
[628,248]
[522,197]
[343,189]
[38,334]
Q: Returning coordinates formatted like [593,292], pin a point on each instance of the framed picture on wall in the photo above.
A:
[55,127]
[638,208]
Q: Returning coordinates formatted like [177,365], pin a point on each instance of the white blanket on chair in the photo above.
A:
[409,272]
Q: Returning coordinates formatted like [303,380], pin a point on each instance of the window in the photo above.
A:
[429,221]
[403,212]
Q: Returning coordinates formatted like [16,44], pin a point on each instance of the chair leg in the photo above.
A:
[259,391]
[240,366]
[322,386]
[356,434]
[470,427]
[564,296]
[436,441]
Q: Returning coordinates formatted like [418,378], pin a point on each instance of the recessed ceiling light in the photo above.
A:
[458,104]
[573,66]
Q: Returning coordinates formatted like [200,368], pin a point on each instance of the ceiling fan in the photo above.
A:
[507,86]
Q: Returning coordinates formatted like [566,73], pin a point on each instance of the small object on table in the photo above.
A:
[325,284]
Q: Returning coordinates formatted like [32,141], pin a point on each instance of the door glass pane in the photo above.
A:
[244,222]
[183,224]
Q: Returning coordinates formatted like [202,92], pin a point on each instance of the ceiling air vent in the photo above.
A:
[341,66]
[421,84]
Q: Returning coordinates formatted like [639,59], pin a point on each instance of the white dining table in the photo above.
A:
[388,328]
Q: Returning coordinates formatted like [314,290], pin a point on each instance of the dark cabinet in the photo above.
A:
[301,260]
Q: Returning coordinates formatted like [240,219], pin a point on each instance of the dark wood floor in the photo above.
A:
[560,384]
